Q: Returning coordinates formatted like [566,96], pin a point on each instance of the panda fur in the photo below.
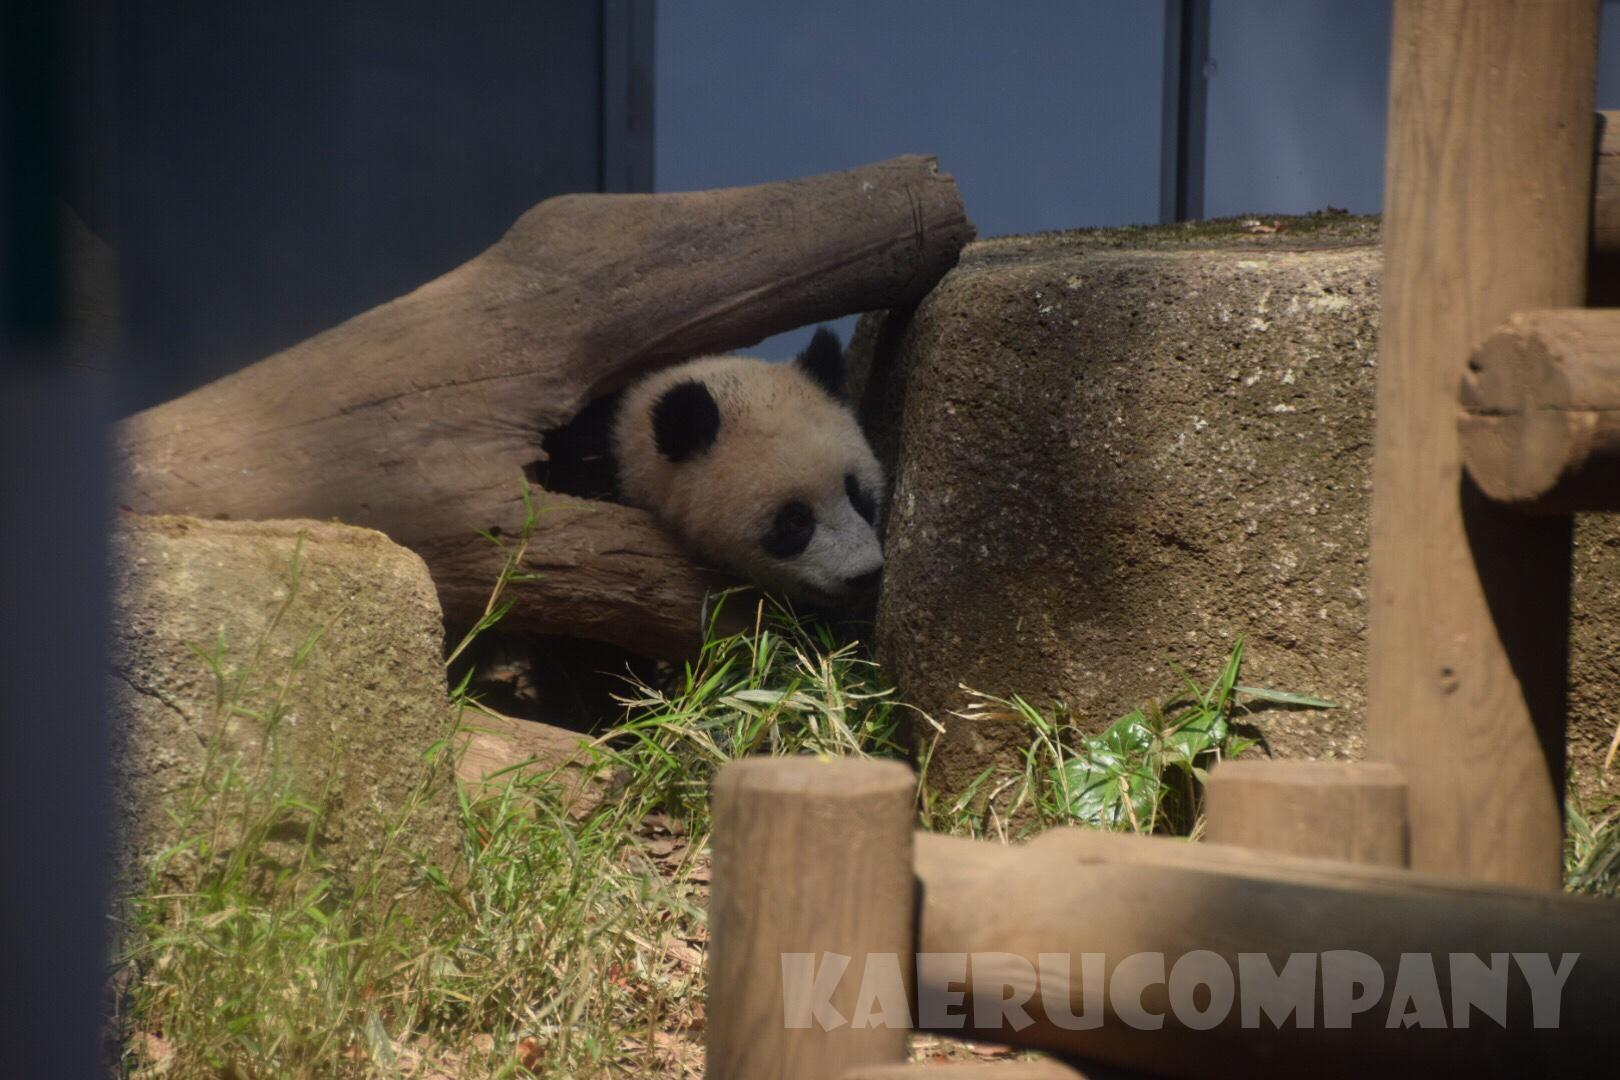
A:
[759,468]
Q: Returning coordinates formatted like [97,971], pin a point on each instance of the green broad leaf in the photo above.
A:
[1130,733]
[1109,798]
[1197,731]
[1110,783]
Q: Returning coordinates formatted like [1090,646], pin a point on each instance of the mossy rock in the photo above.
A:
[1113,451]
[356,714]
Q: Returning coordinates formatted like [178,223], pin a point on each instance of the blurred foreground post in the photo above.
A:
[812,868]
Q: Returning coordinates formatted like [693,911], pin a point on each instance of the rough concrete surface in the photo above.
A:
[1117,450]
[361,711]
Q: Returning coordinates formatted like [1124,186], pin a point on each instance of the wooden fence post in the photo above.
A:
[812,857]
[1352,811]
[1488,197]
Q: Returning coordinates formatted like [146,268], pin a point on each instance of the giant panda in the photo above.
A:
[758,468]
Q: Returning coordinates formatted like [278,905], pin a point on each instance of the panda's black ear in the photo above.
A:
[685,420]
[823,361]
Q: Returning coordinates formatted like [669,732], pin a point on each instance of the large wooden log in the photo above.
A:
[1540,423]
[1487,205]
[1077,891]
[419,417]
[812,858]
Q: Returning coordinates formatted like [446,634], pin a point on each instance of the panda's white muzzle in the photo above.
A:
[843,559]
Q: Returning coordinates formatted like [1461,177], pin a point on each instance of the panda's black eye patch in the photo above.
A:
[790,531]
[860,499]
[685,421]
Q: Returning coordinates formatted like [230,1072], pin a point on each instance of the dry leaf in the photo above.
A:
[686,956]
[156,1051]
[530,1053]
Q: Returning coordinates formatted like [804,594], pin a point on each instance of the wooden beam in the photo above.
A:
[811,856]
[1487,204]
[1540,421]
[1351,811]
[1076,891]
[420,417]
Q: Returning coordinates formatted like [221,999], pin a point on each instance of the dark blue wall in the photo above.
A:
[1298,93]
[1048,112]
[1297,97]
[1045,111]
[280,167]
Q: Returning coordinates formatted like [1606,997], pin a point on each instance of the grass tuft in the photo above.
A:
[559,941]
[1145,773]
[786,687]
[1592,848]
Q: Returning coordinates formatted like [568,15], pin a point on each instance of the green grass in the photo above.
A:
[1592,847]
[784,687]
[560,940]
[566,941]
[1144,773]
[248,955]
[246,944]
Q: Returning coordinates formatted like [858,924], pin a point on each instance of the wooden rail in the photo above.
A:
[1540,423]
[1606,189]
[1077,891]
[819,886]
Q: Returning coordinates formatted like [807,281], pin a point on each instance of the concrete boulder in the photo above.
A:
[360,710]
[1118,450]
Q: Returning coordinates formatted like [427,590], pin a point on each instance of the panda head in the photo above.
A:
[760,468]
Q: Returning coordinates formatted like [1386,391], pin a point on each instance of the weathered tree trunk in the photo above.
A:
[418,417]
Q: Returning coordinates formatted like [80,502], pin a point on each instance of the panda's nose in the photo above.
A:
[864,582]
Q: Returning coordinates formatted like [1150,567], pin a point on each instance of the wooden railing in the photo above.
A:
[1446,844]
